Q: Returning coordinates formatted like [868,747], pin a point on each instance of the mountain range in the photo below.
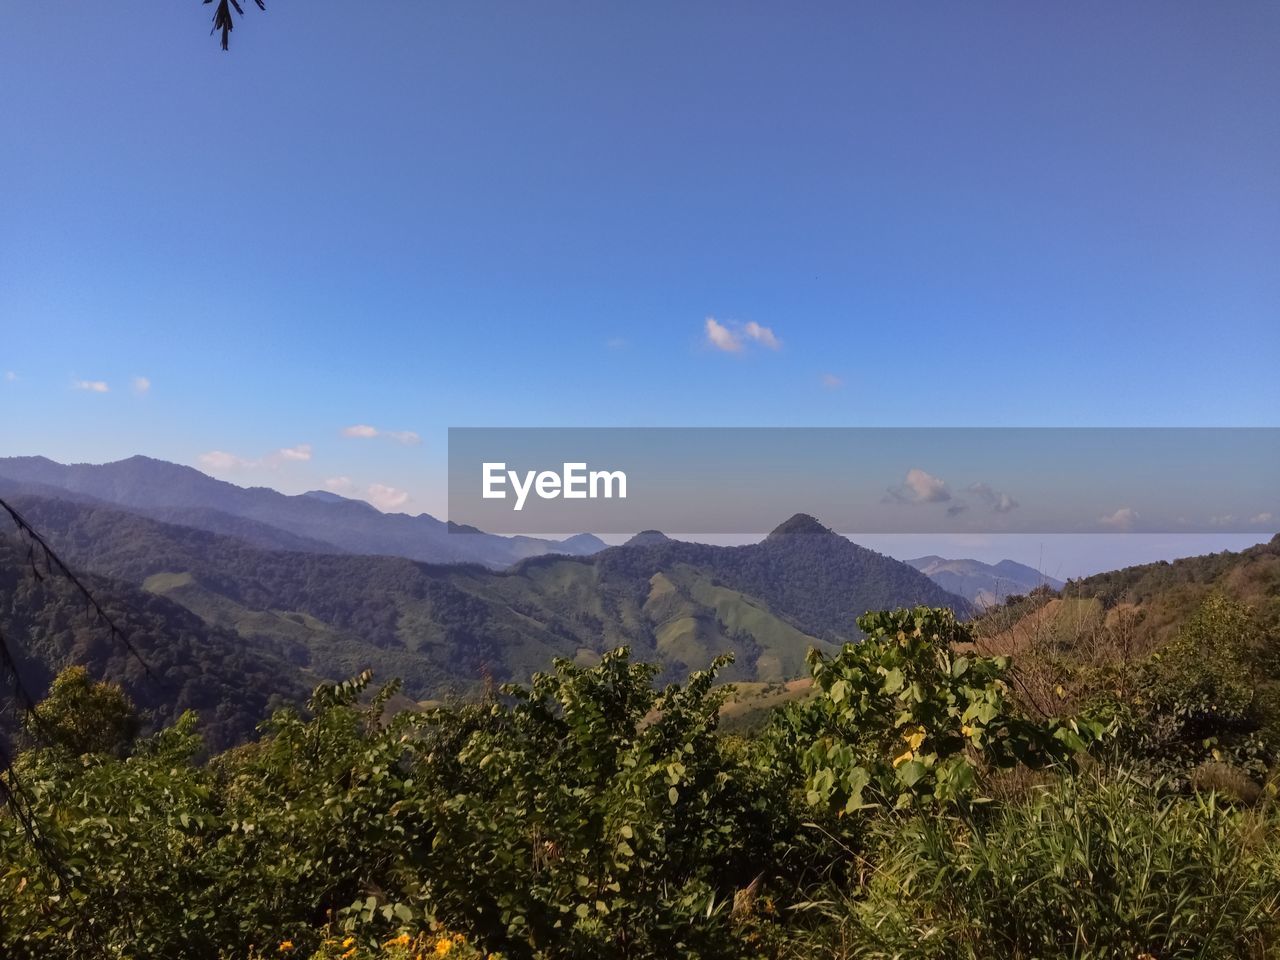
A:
[984,584]
[275,610]
[316,522]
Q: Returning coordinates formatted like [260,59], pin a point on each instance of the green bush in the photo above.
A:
[1209,696]
[594,816]
[905,717]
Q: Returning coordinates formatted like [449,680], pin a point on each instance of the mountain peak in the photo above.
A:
[800,523]
[647,538]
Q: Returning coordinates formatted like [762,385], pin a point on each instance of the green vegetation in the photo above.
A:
[917,804]
[189,664]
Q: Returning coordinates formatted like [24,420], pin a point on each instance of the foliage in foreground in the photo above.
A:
[911,809]
[1086,867]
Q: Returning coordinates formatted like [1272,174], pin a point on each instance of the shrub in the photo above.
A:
[904,717]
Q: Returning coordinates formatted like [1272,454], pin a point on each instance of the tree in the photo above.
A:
[82,716]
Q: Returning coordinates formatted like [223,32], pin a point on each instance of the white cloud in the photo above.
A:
[93,386]
[1122,519]
[763,335]
[919,487]
[997,500]
[10,376]
[731,337]
[722,338]
[617,343]
[339,484]
[832,382]
[365,431]
[221,460]
[301,452]
[1262,518]
[141,385]
[386,498]
[926,487]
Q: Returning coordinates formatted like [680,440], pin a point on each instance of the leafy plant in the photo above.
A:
[904,716]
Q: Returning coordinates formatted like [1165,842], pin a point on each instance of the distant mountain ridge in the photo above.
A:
[983,584]
[317,521]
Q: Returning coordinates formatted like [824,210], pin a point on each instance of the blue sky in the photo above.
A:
[416,215]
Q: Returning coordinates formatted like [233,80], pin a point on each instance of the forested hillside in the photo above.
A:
[189,664]
[1156,598]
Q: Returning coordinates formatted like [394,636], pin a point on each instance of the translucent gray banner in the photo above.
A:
[865,480]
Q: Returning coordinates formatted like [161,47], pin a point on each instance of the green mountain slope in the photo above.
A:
[193,665]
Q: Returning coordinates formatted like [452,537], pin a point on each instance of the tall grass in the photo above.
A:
[1088,867]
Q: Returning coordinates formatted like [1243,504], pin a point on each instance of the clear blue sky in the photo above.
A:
[412,215]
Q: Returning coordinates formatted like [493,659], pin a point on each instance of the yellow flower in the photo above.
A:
[348,942]
[443,946]
[968,730]
[400,941]
[286,946]
[900,760]
[915,739]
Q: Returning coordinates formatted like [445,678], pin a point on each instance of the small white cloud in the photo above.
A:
[617,343]
[926,487]
[10,376]
[301,452]
[141,386]
[1122,519]
[832,382]
[1262,518]
[919,486]
[93,386]
[386,498]
[763,335]
[364,431]
[339,484]
[722,338]
[221,460]
[997,500]
[731,337]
